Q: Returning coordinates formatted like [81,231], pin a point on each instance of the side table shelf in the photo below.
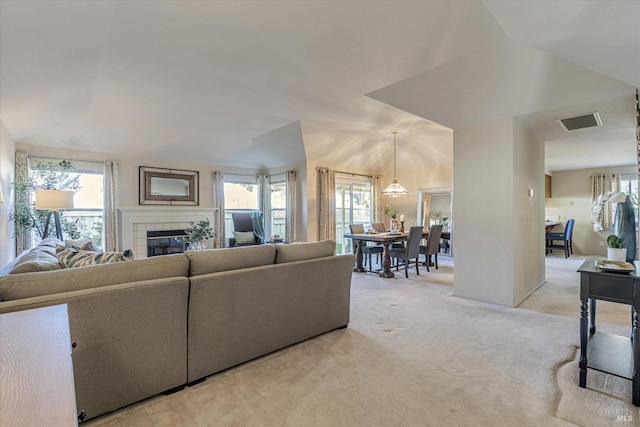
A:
[611,354]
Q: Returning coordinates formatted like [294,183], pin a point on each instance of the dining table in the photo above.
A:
[548,226]
[386,239]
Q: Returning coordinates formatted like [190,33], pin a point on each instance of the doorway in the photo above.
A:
[353,206]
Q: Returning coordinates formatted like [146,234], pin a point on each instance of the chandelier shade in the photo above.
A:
[395,189]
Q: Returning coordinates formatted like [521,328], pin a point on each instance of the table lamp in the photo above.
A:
[53,201]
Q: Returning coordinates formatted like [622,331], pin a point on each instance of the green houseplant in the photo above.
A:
[198,232]
[45,176]
[616,250]
[393,213]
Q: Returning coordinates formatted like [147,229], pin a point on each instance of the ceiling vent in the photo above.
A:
[580,122]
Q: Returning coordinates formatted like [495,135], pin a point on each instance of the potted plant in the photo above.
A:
[615,249]
[197,233]
[393,213]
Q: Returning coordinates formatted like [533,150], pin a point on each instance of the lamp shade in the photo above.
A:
[395,189]
[54,199]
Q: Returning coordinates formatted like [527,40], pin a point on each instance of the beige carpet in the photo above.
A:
[414,355]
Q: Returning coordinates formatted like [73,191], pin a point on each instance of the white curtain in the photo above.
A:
[264,203]
[290,215]
[217,202]
[23,237]
[111,239]
[327,204]
[602,212]
[378,206]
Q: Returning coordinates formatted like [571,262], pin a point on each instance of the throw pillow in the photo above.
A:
[244,237]
[70,257]
[85,244]
[40,258]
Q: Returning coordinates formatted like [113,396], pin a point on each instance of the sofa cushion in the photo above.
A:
[244,237]
[26,285]
[51,242]
[302,251]
[69,257]
[214,260]
[40,258]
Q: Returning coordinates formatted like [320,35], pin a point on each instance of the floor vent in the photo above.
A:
[580,122]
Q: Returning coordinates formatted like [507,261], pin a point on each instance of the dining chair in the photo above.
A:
[367,249]
[410,251]
[433,245]
[379,227]
[565,237]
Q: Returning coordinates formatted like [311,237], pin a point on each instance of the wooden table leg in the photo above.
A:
[592,322]
[583,343]
[635,386]
[386,263]
[358,268]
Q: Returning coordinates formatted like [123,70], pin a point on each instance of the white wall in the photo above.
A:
[128,183]
[7,171]
[499,228]
[571,198]
[483,212]
[529,242]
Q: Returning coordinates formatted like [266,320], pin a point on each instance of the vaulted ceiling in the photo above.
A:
[261,83]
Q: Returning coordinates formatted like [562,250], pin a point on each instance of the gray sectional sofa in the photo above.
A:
[153,325]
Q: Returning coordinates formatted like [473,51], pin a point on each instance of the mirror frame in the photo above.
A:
[436,191]
[146,193]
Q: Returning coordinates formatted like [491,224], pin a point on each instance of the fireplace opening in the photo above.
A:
[166,242]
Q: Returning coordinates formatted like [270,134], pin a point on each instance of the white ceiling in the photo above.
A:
[261,83]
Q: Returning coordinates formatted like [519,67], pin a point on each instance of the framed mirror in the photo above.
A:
[435,206]
[168,186]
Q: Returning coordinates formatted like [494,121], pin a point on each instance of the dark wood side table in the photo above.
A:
[36,372]
[613,354]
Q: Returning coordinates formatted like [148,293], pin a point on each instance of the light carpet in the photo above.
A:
[415,355]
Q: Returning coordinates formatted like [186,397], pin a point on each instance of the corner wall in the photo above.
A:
[483,212]
[499,228]
[529,241]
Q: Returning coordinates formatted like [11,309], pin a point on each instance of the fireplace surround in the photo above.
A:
[135,222]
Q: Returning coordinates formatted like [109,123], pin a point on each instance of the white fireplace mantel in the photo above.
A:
[162,215]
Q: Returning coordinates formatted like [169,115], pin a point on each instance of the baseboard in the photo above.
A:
[173,390]
[198,381]
[530,293]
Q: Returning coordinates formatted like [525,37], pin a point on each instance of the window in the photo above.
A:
[86,218]
[240,195]
[353,206]
[278,213]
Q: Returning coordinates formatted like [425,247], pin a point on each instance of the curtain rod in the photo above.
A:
[355,174]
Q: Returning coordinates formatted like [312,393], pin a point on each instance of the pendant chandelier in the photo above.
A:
[394,189]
